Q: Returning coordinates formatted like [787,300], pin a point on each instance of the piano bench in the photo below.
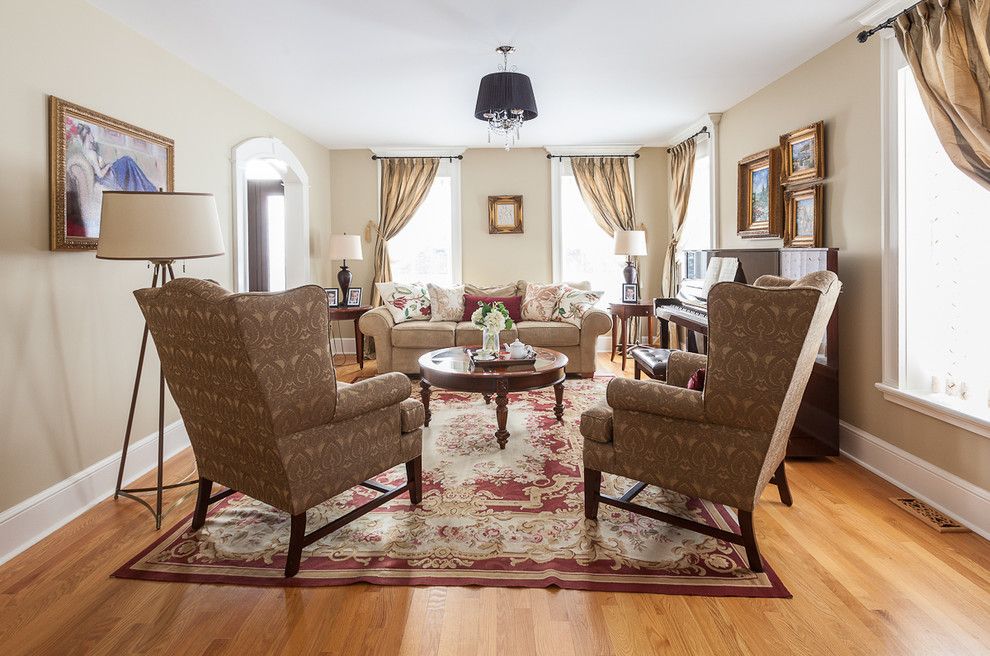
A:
[651,361]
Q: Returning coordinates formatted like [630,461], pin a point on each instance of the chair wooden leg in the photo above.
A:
[780,480]
[297,533]
[749,540]
[202,503]
[637,372]
[592,492]
[414,477]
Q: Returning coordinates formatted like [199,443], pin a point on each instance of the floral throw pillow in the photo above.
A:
[574,304]
[405,301]
[540,302]
[446,303]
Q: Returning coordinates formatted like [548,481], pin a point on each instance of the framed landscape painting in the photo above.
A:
[758,207]
[90,153]
[803,214]
[803,152]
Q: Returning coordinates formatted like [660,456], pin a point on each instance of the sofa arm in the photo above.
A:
[594,323]
[656,399]
[377,322]
[681,366]
[371,394]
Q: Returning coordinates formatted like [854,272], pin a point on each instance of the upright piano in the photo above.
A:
[816,428]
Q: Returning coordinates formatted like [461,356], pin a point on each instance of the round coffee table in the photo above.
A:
[452,369]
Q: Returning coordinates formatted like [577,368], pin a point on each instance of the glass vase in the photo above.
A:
[489,341]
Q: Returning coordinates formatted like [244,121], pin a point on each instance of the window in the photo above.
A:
[697,233]
[582,250]
[428,249]
[936,351]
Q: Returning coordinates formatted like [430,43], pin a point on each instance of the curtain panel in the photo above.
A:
[681,173]
[945,44]
[606,188]
[405,184]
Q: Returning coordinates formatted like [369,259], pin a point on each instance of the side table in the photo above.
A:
[621,314]
[352,314]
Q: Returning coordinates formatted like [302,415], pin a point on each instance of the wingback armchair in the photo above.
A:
[253,379]
[727,442]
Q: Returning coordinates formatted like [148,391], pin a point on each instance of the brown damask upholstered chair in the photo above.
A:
[253,378]
[727,442]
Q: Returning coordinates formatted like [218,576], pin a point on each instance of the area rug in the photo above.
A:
[510,518]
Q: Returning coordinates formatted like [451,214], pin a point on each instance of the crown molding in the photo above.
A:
[880,11]
[710,121]
[614,149]
[387,151]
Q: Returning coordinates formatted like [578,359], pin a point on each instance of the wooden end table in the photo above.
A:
[452,369]
[352,313]
[623,312]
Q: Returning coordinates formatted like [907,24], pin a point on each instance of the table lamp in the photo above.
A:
[160,227]
[630,243]
[345,247]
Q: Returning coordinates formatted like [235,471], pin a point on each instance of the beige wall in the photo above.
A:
[493,259]
[842,86]
[69,327]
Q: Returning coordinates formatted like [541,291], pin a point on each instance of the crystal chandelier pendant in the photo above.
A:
[505,101]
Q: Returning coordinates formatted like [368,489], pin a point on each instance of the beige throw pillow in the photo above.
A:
[446,303]
[494,290]
[540,302]
[574,304]
[405,301]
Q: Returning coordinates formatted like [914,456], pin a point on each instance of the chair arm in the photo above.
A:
[656,399]
[681,366]
[371,394]
[595,322]
[377,322]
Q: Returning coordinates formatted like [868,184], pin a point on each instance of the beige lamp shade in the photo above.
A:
[630,242]
[345,247]
[158,226]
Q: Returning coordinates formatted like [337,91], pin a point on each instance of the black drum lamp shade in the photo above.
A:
[505,91]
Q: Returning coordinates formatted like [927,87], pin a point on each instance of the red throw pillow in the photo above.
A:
[512,303]
[697,381]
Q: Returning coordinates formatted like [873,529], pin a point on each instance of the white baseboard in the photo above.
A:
[968,504]
[35,518]
[343,346]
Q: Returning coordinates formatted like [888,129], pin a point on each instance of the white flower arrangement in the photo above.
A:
[491,316]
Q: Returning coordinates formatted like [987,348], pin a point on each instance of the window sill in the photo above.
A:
[943,410]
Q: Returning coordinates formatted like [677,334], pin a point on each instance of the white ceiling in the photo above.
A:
[357,73]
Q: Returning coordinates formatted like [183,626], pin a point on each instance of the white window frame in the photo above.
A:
[556,225]
[449,166]
[894,316]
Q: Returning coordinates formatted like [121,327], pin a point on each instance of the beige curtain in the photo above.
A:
[681,172]
[606,187]
[945,43]
[405,183]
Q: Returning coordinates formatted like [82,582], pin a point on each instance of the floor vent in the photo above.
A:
[933,518]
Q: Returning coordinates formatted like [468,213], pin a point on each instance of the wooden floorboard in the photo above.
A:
[867,578]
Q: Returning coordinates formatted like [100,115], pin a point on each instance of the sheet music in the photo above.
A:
[720,269]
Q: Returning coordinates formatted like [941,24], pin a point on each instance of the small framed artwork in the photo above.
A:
[333,296]
[803,153]
[630,293]
[803,214]
[89,153]
[505,215]
[354,297]
[758,207]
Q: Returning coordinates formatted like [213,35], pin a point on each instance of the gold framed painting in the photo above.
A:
[803,217]
[758,206]
[90,153]
[505,215]
[803,153]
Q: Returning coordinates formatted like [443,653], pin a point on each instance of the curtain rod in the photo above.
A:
[865,35]
[634,156]
[700,132]
[450,157]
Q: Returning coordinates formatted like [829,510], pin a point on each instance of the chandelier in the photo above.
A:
[505,101]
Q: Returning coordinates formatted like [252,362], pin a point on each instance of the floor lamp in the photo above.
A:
[159,227]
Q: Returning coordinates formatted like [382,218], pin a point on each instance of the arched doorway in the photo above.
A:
[282,261]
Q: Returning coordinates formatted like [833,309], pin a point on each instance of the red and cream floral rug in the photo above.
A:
[489,517]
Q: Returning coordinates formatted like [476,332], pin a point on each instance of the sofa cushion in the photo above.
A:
[495,290]
[540,302]
[549,333]
[468,334]
[405,301]
[423,334]
[511,303]
[574,304]
[446,303]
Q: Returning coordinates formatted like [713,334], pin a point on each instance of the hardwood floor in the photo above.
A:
[867,578]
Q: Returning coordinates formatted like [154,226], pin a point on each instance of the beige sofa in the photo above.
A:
[398,346]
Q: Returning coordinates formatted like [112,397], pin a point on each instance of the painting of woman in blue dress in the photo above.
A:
[100,154]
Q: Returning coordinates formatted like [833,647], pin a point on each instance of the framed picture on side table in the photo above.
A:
[630,293]
[333,296]
[354,297]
